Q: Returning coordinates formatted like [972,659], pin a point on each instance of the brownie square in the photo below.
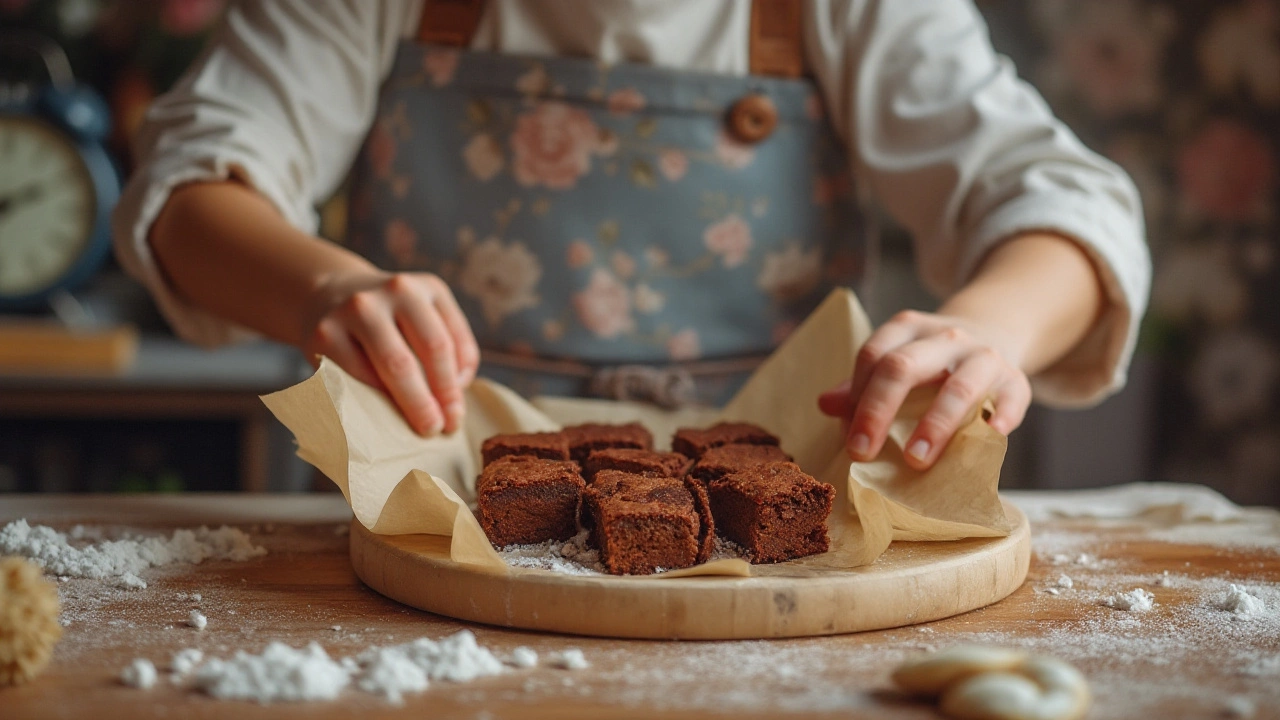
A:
[584,439]
[633,460]
[549,446]
[644,523]
[694,442]
[524,500]
[775,511]
[726,459]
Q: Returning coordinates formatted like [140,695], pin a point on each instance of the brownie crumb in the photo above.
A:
[775,511]
[726,459]
[633,460]
[545,445]
[587,438]
[524,500]
[695,442]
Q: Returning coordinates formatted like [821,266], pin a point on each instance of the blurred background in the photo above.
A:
[1184,94]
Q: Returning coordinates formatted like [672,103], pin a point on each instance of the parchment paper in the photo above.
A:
[399,483]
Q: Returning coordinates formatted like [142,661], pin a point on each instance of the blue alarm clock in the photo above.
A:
[57,183]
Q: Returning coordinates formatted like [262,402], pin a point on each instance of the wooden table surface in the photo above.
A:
[1185,658]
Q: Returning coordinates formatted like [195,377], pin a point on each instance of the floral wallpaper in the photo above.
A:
[1185,95]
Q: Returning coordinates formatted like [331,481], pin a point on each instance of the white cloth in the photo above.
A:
[940,129]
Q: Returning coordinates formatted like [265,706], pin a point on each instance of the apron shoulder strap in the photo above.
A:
[449,22]
[777,29]
[777,38]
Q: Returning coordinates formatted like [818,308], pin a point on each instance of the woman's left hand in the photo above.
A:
[914,349]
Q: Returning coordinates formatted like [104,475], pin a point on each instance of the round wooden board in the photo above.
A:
[911,583]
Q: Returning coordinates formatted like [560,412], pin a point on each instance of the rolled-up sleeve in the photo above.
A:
[281,100]
[965,155]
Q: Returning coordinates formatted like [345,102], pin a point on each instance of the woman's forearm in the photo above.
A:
[227,250]
[1036,296]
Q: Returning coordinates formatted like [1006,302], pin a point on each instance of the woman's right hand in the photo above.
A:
[404,334]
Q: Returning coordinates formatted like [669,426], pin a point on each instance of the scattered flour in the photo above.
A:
[571,659]
[282,673]
[139,674]
[1136,600]
[1239,706]
[1241,604]
[570,557]
[1263,667]
[185,660]
[120,561]
[279,673]
[523,657]
[1064,582]
[197,620]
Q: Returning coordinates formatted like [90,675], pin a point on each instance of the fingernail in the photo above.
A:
[919,450]
[455,411]
[860,444]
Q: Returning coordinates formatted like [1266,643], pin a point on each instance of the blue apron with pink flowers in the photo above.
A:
[606,228]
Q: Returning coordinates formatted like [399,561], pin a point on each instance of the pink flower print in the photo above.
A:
[657,257]
[624,101]
[188,17]
[648,300]
[401,241]
[483,156]
[533,82]
[604,307]
[623,264]
[733,154]
[382,150]
[684,345]
[1228,170]
[606,143]
[580,254]
[730,239]
[673,164]
[1240,50]
[1110,52]
[552,145]
[440,65]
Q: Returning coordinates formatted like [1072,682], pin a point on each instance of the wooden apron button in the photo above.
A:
[753,118]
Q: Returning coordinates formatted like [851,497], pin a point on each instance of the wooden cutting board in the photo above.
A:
[911,583]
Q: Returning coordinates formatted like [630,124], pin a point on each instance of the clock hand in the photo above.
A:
[27,194]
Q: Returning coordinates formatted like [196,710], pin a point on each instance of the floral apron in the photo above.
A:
[603,227]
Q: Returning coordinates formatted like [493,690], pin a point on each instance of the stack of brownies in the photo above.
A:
[649,510]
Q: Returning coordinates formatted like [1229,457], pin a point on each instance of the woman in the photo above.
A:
[633,198]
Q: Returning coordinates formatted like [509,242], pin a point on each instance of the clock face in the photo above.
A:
[47,205]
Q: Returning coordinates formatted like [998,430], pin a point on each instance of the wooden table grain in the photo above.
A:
[1185,658]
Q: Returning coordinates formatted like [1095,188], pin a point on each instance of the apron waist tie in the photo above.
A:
[669,386]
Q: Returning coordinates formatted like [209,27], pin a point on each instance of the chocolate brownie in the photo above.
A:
[694,443]
[546,445]
[584,439]
[775,511]
[726,459]
[524,500]
[633,460]
[644,523]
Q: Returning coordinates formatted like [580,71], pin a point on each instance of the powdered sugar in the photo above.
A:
[523,657]
[119,561]
[197,620]
[1136,600]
